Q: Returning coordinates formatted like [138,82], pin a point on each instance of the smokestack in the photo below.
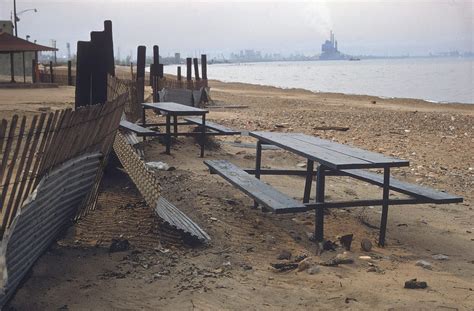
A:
[336,45]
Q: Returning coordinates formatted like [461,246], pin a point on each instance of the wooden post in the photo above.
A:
[109,48]
[188,68]
[83,74]
[161,74]
[196,69]
[24,67]
[12,68]
[204,66]
[141,58]
[69,72]
[51,71]
[156,61]
[33,70]
[179,73]
[98,56]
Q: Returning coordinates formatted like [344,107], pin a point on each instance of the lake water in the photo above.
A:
[432,79]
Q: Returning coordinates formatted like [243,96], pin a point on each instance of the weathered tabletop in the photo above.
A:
[175,108]
[328,153]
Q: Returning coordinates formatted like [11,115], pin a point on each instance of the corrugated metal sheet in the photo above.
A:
[176,218]
[43,216]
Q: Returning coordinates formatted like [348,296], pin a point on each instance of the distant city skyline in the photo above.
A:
[384,28]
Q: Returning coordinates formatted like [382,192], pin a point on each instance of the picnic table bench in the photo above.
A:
[334,159]
[193,116]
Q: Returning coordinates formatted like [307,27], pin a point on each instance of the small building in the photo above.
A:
[16,52]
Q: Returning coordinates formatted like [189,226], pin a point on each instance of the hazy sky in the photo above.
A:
[382,27]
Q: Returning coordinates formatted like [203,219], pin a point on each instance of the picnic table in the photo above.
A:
[334,159]
[170,109]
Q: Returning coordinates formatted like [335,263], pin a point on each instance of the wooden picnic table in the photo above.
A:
[334,159]
[170,109]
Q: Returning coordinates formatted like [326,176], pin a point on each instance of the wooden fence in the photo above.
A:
[30,148]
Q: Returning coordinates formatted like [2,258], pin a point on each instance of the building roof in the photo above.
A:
[9,43]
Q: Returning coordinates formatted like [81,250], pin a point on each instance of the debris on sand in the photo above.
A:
[305,264]
[424,264]
[440,257]
[346,241]
[329,245]
[340,259]
[414,284]
[366,245]
[282,267]
[119,245]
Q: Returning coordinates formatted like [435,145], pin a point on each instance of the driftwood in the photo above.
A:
[331,128]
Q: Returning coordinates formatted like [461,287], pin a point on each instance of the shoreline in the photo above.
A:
[398,101]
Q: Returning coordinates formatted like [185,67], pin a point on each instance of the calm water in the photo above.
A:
[440,80]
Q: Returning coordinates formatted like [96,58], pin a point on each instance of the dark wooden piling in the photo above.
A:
[161,73]
[51,71]
[69,72]
[188,68]
[99,69]
[204,66]
[83,74]
[179,73]
[109,48]
[12,68]
[196,69]
[141,58]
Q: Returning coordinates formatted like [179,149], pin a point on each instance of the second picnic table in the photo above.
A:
[170,109]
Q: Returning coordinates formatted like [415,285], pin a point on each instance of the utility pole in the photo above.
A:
[15,17]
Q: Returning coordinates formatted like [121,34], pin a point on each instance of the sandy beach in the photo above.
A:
[234,272]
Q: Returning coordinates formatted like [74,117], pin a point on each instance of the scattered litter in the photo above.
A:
[213,218]
[365,257]
[282,267]
[119,245]
[414,284]
[158,166]
[329,246]
[440,257]
[366,245]
[346,241]
[349,299]
[338,260]
[424,264]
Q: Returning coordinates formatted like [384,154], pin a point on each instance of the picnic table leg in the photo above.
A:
[386,191]
[309,180]
[175,126]
[203,135]
[258,164]
[143,120]
[168,133]
[319,223]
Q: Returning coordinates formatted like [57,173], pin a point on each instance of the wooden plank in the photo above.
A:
[329,158]
[432,195]
[8,146]
[255,188]
[139,130]
[213,126]
[12,166]
[362,154]
[175,108]
[19,174]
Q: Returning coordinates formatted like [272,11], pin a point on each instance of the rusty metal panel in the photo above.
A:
[176,218]
[44,214]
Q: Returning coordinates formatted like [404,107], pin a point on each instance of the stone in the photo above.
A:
[284,255]
[313,269]
[305,264]
[119,245]
[346,241]
[440,257]
[366,245]
[414,284]
[424,264]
